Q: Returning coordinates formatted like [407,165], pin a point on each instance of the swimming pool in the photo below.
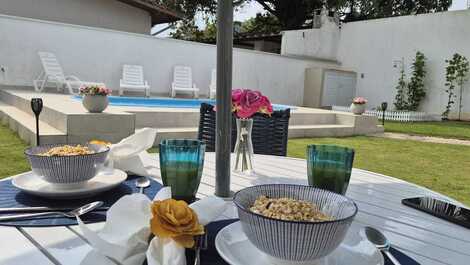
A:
[166,102]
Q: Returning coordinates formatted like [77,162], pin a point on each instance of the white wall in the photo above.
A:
[98,55]
[370,47]
[317,43]
[109,14]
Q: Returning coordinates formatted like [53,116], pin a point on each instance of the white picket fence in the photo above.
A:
[402,116]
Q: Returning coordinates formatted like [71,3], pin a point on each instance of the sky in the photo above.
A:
[253,7]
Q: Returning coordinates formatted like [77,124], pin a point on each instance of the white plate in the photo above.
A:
[32,184]
[235,248]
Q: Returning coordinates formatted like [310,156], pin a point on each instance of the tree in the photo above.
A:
[456,75]
[416,89]
[400,98]
[262,23]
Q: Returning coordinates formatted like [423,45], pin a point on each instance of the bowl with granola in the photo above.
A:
[294,224]
[67,163]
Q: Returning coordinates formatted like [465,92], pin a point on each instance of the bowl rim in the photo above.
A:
[356,209]
[27,151]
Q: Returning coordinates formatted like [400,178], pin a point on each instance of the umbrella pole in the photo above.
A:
[224,97]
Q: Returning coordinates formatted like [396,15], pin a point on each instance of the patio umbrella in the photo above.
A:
[224,96]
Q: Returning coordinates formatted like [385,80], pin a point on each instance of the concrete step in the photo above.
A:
[322,130]
[25,125]
[175,133]
[309,118]
[50,116]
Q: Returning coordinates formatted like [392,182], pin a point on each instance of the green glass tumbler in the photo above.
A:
[181,165]
[329,167]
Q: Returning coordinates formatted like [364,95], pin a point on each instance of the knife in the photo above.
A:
[43,209]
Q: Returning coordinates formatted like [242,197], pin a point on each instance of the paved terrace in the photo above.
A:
[64,120]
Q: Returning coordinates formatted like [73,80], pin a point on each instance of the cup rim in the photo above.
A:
[194,143]
[239,206]
[345,148]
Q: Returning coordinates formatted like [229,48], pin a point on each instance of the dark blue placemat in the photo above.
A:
[211,256]
[12,197]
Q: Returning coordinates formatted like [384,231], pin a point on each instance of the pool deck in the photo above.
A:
[64,120]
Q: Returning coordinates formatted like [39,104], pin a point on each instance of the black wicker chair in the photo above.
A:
[269,134]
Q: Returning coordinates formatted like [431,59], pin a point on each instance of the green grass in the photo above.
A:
[446,129]
[12,159]
[440,167]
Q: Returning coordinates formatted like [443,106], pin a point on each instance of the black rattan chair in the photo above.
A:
[269,134]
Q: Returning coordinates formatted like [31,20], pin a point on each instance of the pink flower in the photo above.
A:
[359,100]
[236,95]
[246,103]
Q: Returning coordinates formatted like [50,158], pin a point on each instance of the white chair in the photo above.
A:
[53,73]
[183,81]
[213,85]
[133,79]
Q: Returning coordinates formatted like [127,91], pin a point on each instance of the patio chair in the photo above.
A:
[213,85]
[133,79]
[269,133]
[53,73]
[183,81]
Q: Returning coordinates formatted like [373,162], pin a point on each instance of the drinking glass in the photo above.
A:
[181,165]
[329,167]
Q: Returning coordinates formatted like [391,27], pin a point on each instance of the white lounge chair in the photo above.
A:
[133,79]
[53,73]
[183,81]
[213,85]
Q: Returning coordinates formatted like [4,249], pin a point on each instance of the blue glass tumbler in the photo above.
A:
[181,165]
[329,167]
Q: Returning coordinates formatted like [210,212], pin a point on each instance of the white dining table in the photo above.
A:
[427,239]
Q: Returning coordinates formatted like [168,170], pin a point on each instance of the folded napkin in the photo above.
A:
[124,238]
[131,154]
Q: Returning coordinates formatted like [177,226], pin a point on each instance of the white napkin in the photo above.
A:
[130,154]
[124,238]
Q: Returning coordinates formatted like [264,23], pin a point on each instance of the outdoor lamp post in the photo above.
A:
[224,97]
[384,108]
[36,106]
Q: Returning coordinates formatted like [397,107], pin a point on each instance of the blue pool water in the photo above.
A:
[166,102]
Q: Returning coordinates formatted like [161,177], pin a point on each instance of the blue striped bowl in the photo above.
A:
[295,242]
[66,169]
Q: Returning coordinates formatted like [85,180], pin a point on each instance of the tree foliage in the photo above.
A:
[400,98]
[456,75]
[416,88]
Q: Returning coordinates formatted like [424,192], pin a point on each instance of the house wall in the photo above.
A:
[109,14]
[98,55]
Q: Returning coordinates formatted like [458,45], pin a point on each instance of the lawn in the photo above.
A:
[440,167]
[12,159]
[446,129]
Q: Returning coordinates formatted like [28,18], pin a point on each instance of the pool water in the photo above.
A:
[165,102]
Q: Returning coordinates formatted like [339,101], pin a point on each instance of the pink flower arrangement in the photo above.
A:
[94,90]
[359,100]
[246,103]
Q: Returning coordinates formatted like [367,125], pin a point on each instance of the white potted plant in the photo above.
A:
[95,98]
[358,105]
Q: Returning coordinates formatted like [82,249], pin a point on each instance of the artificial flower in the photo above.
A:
[175,219]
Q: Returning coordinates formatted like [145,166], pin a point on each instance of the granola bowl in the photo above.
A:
[292,241]
[63,168]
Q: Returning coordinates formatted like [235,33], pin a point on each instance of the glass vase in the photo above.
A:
[244,147]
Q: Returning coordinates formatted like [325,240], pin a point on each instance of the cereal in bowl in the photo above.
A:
[288,209]
[68,150]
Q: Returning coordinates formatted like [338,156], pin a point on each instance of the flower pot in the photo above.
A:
[95,103]
[358,109]
[244,147]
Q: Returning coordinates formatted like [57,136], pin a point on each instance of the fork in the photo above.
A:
[201,243]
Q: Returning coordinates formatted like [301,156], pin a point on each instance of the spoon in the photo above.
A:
[381,242]
[142,183]
[72,214]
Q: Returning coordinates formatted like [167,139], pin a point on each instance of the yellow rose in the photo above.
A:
[174,219]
